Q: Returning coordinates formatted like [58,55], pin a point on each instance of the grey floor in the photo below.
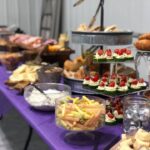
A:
[13,133]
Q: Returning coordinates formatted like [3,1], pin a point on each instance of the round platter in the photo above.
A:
[102,38]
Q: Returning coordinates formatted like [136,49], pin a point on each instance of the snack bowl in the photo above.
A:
[81,116]
[53,91]
[80,113]
[50,74]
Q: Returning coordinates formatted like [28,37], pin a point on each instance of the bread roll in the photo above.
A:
[142,44]
[145,36]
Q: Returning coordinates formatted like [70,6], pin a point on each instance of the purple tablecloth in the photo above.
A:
[44,123]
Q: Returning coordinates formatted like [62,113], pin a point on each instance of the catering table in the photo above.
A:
[44,122]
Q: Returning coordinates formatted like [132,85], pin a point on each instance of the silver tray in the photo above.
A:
[102,38]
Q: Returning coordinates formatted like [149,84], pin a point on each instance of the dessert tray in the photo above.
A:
[116,94]
[102,38]
[113,61]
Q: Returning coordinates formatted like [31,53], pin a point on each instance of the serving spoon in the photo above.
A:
[41,91]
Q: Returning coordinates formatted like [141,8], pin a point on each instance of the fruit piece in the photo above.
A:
[141,80]
[113,76]
[95,78]
[110,115]
[106,74]
[120,112]
[120,52]
[112,84]
[124,50]
[109,52]
[128,52]
[104,79]
[102,84]
[122,83]
[134,82]
[100,52]
[123,77]
[117,107]
[87,78]
[116,51]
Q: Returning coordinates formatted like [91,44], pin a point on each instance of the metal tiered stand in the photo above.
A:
[100,39]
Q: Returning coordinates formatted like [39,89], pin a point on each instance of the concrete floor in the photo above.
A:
[13,134]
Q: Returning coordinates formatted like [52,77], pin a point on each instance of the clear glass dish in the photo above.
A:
[39,101]
[86,113]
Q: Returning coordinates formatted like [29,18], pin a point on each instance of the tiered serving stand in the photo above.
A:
[101,39]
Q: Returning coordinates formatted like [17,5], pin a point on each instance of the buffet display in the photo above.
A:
[118,55]
[43,91]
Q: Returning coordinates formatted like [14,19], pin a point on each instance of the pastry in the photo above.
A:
[94,81]
[82,27]
[119,54]
[108,54]
[80,74]
[111,87]
[122,87]
[118,113]
[101,86]
[100,55]
[110,28]
[86,80]
[134,85]
[144,36]
[142,44]
[110,119]
[141,83]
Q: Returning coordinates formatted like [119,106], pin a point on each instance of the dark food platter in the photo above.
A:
[116,94]
[102,38]
[78,88]
[114,61]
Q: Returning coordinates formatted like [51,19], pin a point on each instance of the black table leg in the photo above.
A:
[1,117]
[28,138]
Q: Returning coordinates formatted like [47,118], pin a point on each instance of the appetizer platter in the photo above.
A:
[110,56]
[114,85]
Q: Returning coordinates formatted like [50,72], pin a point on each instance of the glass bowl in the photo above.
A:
[80,113]
[39,101]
